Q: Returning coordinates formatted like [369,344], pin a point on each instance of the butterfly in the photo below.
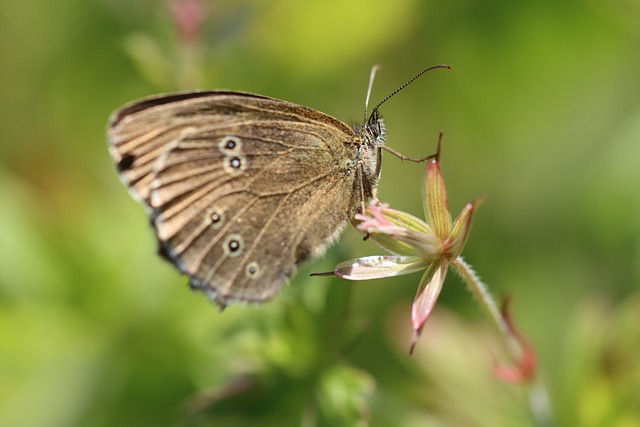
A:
[242,188]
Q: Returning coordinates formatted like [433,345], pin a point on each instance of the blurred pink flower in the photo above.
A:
[525,369]
[188,16]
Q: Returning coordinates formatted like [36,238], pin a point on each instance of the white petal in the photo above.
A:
[376,267]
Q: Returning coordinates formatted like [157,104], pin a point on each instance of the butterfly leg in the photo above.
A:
[403,157]
[413,159]
[361,184]
[360,173]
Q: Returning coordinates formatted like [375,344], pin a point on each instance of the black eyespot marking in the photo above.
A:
[235,162]
[215,218]
[125,163]
[234,165]
[233,246]
[230,145]
[252,270]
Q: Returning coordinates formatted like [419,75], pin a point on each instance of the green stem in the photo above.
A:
[539,402]
[488,305]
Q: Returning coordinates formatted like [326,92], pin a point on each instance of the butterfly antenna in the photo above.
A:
[433,67]
[372,76]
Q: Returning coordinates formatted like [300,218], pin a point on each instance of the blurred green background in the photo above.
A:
[541,114]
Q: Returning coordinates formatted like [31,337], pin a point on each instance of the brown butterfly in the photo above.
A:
[242,188]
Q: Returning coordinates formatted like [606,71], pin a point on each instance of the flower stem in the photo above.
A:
[488,305]
[538,397]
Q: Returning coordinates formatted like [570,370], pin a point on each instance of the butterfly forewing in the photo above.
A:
[240,188]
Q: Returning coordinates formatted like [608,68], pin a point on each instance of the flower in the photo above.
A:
[525,367]
[435,245]
[188,16]
[414,244]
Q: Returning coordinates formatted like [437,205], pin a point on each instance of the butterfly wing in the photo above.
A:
[240,188]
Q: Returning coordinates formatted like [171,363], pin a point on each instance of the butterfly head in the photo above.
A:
[373,131]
